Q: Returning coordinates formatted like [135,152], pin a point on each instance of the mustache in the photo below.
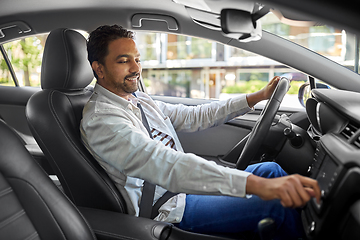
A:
[133,75]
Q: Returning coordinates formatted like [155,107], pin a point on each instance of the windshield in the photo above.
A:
[335,44]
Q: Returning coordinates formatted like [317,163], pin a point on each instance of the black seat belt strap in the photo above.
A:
[148,191]
[147,199]
[147,210]
[144,120]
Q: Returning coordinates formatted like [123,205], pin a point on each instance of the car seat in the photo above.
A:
[31,206]
[54,116]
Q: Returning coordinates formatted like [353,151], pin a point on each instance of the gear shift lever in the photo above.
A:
[267,228]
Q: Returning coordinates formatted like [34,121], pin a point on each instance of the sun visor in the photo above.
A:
[235,19]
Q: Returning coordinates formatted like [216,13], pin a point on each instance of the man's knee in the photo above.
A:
[268,170]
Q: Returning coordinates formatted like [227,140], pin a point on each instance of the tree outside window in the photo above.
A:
[25,56]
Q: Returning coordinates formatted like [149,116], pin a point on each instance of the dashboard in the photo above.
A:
[335,126]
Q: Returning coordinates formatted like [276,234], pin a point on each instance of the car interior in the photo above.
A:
[59,104]
[39,127]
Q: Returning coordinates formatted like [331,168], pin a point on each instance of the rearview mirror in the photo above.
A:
[240,24]
[236,22]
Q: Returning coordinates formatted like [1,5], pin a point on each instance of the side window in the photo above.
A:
[189,67]
[25,56]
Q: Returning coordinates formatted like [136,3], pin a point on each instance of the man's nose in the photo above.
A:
[135,67]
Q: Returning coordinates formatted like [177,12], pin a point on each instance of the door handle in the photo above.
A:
[136,20]
[22,27]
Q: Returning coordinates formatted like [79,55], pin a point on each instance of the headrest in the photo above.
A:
[65,65]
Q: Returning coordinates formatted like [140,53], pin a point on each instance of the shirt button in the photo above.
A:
[234,190]
[177,219]
[204,187]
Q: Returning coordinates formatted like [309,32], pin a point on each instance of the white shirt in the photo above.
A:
[113,132]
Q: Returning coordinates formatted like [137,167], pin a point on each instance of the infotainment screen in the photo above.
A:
[326,173]
[327,176]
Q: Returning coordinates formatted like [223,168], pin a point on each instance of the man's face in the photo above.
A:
[121,70]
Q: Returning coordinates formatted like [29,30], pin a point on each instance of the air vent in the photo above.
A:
[349,131]
[352,133]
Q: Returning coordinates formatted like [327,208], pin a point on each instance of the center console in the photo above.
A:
[336,167]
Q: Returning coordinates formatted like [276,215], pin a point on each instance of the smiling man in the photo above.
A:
[211,198]
[123,80]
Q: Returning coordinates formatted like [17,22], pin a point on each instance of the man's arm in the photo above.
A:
[263,94]
[203,116]
[293,190]
[194,118]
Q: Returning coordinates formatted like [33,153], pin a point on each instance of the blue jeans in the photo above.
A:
[232,215]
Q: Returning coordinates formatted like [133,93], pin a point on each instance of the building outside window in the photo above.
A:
[184,47]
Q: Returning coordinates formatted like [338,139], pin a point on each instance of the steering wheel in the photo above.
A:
[262,125]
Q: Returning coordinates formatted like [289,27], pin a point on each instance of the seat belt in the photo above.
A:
[148,192]
[147,210]
[147,199]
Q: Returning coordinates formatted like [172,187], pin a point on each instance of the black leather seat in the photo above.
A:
[31,206]
[54,116]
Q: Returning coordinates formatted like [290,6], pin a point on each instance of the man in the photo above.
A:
[217,199]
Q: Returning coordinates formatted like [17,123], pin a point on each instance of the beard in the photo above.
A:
[127,85]
[130,87]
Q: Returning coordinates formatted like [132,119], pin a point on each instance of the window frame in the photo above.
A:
[9,65]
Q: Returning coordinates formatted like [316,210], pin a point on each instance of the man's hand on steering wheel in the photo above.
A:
[263,94]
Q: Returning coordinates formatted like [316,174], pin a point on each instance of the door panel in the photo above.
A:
[13,102]
[213,141]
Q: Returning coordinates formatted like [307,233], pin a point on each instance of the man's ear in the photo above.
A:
[98,69]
